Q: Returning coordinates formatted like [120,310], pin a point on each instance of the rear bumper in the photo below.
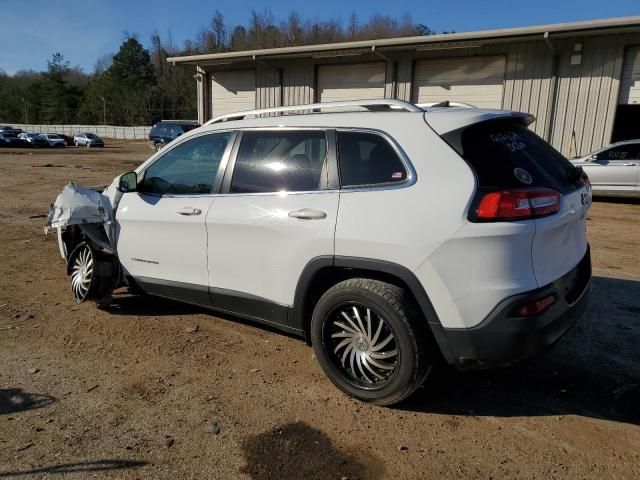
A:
[503,338]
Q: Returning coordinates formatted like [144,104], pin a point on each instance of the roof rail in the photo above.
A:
[445,104]
[375,105]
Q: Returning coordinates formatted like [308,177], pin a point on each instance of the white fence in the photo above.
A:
[103,131]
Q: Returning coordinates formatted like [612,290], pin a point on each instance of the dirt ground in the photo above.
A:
[135,392]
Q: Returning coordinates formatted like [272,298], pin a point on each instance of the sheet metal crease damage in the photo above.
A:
[86,227]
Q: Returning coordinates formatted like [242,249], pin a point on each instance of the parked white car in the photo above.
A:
[614,170]
[388,239]
[54,139]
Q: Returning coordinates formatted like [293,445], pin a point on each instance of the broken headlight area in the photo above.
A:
[85,222]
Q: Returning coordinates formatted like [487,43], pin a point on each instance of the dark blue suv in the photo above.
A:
[167,130]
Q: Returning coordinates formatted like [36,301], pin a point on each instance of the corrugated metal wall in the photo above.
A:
[574,104]
[268,86]
[528,82]
[587,94]
[298,84]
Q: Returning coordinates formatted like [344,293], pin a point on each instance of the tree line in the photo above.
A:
[136,86]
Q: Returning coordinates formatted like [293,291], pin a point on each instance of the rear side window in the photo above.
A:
[368,159]
[287,161]
[505,154]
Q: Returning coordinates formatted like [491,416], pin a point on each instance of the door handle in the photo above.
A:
[630,164]
[308,214]
[189,211]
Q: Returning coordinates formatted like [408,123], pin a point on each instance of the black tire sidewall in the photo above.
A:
[405,373]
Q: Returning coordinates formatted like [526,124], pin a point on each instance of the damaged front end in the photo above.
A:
[85,222]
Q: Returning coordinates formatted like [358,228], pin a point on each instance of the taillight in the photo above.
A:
[518,204]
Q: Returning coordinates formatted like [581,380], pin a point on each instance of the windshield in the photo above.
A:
[90,135]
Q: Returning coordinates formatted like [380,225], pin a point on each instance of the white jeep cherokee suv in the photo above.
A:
[390,238]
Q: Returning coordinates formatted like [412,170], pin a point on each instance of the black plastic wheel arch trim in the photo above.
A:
[297,318]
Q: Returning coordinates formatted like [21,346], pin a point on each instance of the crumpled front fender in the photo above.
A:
[92,211]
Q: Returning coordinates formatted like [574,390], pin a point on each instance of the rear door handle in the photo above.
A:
[189,211]
[630,164]
[308,214]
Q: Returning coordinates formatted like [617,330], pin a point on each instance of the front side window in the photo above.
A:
[368,159]
[621,152]
[289,161]
[188,169]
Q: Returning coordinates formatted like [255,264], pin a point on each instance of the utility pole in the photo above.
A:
[104,111]
[26,116]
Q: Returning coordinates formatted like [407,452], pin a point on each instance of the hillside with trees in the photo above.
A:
[136,86]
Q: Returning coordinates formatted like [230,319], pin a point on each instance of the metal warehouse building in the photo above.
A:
[581,80]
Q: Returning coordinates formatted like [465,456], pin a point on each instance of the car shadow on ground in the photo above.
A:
[78,468]
[14,400]
[594,371]
[297,450]
[124,303]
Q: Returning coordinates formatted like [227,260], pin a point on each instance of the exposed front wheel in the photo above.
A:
[94,274]
[370,340]
[81,262]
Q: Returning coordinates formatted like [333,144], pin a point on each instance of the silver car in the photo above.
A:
[614,170]
[87,139]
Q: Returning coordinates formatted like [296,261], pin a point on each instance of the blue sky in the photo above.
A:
[83,30]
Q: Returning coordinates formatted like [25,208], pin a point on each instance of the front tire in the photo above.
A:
[94,274]
[83,281]
[371,341]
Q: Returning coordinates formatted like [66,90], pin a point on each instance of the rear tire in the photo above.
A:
[371,341]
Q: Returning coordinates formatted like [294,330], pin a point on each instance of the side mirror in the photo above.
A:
[592,158]
[128,182]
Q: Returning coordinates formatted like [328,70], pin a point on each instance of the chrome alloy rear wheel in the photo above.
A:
[82,272]
[362,344]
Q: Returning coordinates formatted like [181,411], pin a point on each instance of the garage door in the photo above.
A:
[233,92]
[630,83]
[351,82]
[475,80]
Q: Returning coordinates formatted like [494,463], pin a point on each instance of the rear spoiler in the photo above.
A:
[446,120]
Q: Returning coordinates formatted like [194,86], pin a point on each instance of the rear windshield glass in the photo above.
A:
[505,154]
